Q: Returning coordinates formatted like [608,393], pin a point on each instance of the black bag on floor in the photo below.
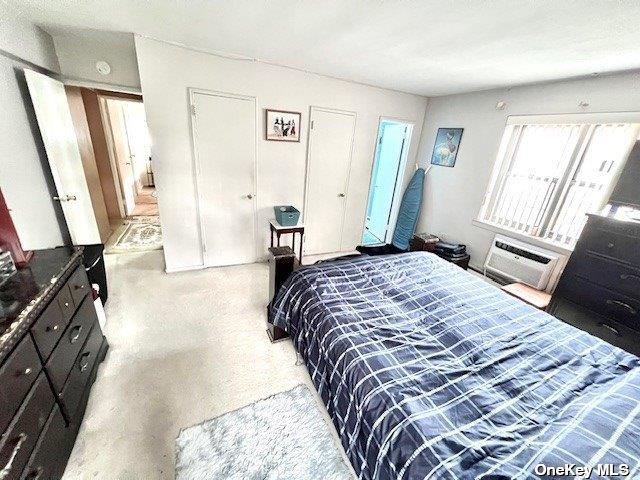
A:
[379,249]
[450,249]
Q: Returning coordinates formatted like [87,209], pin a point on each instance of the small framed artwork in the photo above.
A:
[446,147]
[282,126]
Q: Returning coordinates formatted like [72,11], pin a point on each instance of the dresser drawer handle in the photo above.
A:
[27,371]
[611,245]
[629,276]
[626,306]
[6,470]
[611,329]
[35,474]
[52,328]
[74,335]
[84,361]
[79,287]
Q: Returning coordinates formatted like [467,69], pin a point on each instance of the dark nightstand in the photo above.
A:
[280,230]
[423,242]
[282,262]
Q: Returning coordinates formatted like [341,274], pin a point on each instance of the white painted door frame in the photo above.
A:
[196,166]
[397,198]
[313,109]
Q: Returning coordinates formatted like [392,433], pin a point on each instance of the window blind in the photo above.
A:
[549,176]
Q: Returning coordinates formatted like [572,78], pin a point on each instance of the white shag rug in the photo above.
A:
[282,437]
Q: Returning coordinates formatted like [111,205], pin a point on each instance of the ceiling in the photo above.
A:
[427,47]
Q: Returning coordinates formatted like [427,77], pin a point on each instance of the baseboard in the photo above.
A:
[184,269]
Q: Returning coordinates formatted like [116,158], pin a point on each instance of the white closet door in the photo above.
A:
[225,146]
[328,165]
[59,137]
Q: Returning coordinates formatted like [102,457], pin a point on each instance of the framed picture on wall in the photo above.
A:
[445,149]
[282,126]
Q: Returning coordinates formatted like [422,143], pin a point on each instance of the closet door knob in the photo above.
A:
[249,196]
[341,195]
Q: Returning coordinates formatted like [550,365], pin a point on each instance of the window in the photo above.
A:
[550,172]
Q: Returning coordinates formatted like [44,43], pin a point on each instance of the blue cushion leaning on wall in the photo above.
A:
[409,210]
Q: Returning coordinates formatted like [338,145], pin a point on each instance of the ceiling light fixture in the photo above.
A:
[103,67]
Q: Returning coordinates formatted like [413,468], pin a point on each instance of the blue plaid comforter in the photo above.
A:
[430,372]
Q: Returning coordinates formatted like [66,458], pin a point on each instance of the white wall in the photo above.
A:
[25,177]
[167,71]
[453,195]
[79,50]
[22,39]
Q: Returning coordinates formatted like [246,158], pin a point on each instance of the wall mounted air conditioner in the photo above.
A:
[523,263]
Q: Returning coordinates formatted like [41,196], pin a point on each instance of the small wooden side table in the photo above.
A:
[528,295]
[280,230]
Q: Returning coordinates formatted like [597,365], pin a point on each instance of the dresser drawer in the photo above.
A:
[48,328]
[16,377]
[66,303]
[601,241]
[79,285]
[606,302]
[81,371]
[65,353]
[607,273]
[604,328]
[49,458]
[23,433]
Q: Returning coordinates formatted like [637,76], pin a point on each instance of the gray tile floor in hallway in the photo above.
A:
[185,347]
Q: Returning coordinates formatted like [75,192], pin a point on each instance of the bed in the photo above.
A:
[430,372]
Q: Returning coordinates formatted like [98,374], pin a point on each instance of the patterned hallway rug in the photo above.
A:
[283,437]
[140,234]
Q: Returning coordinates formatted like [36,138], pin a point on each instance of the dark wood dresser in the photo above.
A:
[599,290]
[50,347]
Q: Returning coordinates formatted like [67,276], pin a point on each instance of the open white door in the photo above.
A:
[386,180]
[56,127]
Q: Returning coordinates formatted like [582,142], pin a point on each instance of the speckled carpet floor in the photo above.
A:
[184,348]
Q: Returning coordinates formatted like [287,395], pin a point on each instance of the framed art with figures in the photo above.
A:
[447,144]
[282,126]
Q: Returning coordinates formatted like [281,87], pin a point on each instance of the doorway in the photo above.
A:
[130,155]
[394,138]
[99,153]
[120,126]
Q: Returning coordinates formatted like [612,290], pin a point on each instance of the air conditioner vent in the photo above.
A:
[522,252]
[519,262]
